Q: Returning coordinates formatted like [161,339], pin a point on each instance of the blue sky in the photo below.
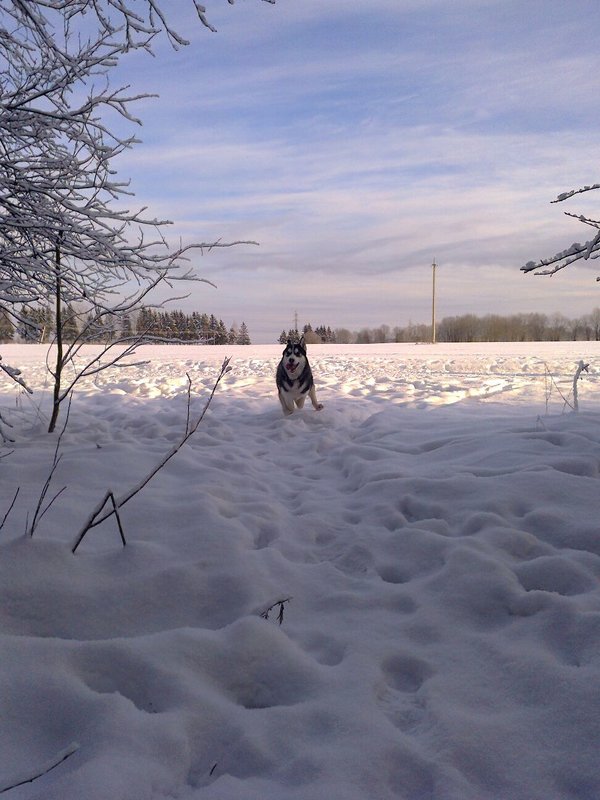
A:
[356,141]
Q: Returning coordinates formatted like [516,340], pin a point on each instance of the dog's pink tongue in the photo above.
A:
[290,366]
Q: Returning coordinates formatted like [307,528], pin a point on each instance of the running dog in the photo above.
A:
[295,379]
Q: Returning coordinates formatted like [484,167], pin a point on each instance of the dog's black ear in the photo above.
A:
[302,341]
[289,343]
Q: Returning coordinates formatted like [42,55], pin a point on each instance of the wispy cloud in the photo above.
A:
[356,143]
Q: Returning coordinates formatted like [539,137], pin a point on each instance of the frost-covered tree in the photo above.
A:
[577,251]
[62,234]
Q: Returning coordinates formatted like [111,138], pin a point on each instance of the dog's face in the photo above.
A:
[294,357]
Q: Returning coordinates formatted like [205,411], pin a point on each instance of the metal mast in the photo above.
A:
[433,266]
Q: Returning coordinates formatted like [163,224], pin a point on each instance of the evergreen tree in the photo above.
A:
[244,336]
[233,334]
[45,322]
[196,326]
[36,325]
[212,329]
[205,328]
[96,331]
[70,328]
[221,333]
[143,322]
[24,326]
[126,326]
[7,330]
[282,338]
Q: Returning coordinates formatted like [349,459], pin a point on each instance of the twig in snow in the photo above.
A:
[39,513]
[557,387]
[97,516]
[3,435]
[580,368]
[281,604]
[110,496]
[189,402]
[44,769]
[10,508]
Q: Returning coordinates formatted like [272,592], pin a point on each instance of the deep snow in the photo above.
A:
[436,527]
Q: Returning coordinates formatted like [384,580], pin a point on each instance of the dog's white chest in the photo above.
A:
[295,390]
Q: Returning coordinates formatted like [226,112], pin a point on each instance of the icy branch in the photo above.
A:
[577,251]
[15,375]
[566,195]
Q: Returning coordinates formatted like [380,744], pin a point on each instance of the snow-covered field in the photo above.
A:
[436,526]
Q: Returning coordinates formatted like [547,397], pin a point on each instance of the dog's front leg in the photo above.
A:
[313,399]
[287,403]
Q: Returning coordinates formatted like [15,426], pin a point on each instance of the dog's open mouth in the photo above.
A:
[291,365]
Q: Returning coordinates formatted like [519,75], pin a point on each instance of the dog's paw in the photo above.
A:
[319,407]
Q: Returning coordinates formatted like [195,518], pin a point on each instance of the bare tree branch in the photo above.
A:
[43,770]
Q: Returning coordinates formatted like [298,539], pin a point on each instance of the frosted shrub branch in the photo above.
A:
[576,251]
[550,382]
[15,375]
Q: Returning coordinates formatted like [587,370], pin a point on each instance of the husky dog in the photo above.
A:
[294,378]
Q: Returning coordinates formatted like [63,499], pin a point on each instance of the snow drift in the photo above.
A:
[435,526]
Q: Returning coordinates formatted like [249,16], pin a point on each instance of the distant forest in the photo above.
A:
[465,328]
[154,325]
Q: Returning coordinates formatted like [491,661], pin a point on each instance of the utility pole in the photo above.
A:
[433,266]
[296,321]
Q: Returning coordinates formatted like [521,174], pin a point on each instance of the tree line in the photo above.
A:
[321,334]
[532,327]
[38,325]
